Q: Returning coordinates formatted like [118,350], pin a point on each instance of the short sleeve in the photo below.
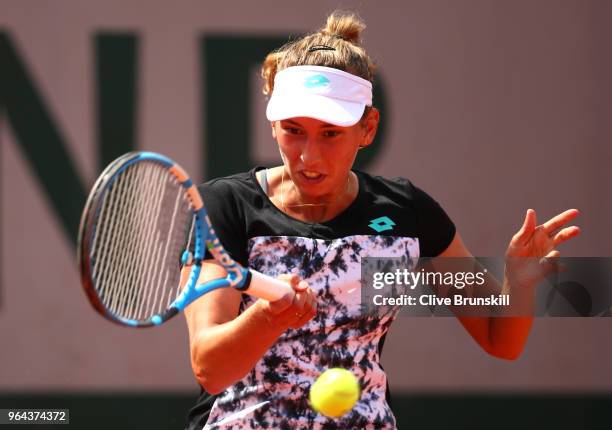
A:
[436,229]
[225,217]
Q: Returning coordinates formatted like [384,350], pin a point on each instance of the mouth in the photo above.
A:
[311,177]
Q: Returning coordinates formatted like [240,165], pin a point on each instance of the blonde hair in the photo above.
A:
[342,32]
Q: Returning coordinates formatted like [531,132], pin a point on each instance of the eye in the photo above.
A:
[292,130]
[331,133]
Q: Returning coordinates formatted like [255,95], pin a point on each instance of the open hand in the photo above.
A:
[533,247]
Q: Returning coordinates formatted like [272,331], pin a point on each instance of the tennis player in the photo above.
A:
[310,221]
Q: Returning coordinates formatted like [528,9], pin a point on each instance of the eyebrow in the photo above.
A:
[325,125]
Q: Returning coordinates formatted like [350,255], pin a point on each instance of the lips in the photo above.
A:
[311,177]
[311,174]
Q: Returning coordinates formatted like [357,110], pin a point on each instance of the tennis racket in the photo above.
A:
[143,220]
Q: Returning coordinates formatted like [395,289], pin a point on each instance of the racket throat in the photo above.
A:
[245,281]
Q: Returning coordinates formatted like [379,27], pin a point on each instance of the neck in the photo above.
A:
[287,197]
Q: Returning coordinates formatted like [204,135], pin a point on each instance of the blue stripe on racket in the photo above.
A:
[136,232]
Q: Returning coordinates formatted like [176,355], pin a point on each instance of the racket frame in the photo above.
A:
[204,238]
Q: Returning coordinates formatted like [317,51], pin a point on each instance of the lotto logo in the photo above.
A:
[383,223]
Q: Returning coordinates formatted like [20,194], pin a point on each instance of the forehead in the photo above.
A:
[308,122]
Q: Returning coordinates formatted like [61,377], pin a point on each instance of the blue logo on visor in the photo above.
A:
[316,81]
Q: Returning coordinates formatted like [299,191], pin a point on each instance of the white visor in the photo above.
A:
[323,93]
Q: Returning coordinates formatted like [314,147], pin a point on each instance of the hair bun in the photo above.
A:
[347,26]
[336,45]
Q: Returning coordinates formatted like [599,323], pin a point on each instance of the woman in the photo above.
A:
[310,221]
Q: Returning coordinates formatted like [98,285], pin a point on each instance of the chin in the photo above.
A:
[312,191]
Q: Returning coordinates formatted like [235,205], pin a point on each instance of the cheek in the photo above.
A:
[347,150]
[289,153]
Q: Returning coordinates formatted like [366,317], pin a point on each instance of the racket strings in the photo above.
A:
[163,249]
[106,228]
[138,239]
[126,228]
[135,277]
[120,193]
[128,296]
[147,244]
[144,276]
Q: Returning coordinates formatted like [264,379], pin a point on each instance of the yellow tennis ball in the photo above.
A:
[335,392]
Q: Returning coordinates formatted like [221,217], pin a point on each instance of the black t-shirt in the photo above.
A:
[388,218]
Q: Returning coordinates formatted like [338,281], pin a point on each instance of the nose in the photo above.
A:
[311,152]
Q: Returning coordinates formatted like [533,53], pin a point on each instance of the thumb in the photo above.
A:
[278,306]
[550,264]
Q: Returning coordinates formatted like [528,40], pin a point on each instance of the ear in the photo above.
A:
[273,129]
[370,127]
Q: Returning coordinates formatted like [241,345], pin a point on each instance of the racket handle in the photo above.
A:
[266,287]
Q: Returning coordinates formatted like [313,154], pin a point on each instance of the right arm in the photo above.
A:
[225,346]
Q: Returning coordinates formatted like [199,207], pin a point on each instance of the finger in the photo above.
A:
[290,278]
[297,283]
[303,319]
[299,303]
[307,309]
[278,306]
[301,286]
[566,234]
[558,221]
[549,263]
[311,302]
[553,254]
[529,225]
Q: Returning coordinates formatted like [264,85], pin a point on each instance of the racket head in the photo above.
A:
[134,230]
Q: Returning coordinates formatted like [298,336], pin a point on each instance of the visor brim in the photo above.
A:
[333,111]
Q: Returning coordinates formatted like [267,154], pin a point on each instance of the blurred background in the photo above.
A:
[491,106]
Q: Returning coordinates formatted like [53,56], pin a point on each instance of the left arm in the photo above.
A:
[505,337]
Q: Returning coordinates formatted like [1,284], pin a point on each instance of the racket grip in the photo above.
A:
[266,287]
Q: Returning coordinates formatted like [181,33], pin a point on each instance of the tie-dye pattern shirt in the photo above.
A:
[388,218]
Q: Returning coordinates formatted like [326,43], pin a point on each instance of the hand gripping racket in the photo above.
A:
[139,222]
